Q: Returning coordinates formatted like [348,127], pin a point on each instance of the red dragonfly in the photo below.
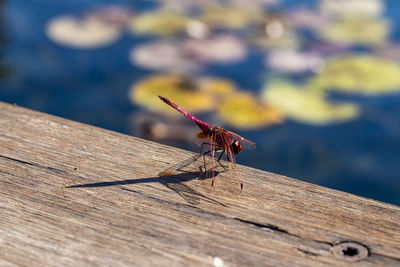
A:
[214,140]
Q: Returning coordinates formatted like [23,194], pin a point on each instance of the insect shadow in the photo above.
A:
[173,181]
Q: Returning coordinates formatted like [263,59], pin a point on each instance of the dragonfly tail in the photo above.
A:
[202,125]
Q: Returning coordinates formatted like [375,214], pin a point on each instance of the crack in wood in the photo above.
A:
[35,165]
[268,226]
[307,252]
[324,242]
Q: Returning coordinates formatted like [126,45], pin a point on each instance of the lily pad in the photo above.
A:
[307,106]
[88,32]
[229,17]
[358,74]
[360,8]
[115,15]
[242,110]
[356,30]
[161,56]
[217,87]
[163,23]
[305,18]
[293,61]
[274,32]
[192,94]
[220,49]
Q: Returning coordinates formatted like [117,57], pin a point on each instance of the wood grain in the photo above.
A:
[73,194]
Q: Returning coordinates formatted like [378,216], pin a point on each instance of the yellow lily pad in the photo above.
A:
[355,30]
[229,17]
[217,87]
[242,110]
[162,23]
[190,94]
[307,106]
[358,74]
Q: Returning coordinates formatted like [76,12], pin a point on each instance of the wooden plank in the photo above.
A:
[76,194]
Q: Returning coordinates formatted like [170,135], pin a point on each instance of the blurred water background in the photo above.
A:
[314,83]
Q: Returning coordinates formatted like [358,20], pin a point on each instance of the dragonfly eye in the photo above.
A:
[236,146]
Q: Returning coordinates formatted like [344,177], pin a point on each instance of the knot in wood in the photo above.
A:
[350,251]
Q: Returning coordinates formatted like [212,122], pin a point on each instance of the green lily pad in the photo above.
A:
[355,30]
[358,74]
[307,106]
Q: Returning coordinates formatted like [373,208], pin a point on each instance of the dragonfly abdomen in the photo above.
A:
[202,125]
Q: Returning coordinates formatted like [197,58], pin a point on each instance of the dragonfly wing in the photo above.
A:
[220,178]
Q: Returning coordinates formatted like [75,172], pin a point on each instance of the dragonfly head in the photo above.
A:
[236,146]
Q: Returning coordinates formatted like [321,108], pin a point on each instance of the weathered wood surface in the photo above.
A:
[121,212]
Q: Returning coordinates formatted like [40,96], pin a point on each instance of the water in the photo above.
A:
[92,86]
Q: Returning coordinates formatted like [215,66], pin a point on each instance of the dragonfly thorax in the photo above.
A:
[223,139]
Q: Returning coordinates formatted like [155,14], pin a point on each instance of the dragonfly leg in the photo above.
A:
[209,152]
[204,159]
[204,156]
[219,158]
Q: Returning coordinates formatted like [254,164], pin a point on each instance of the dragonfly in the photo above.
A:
[214,141]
